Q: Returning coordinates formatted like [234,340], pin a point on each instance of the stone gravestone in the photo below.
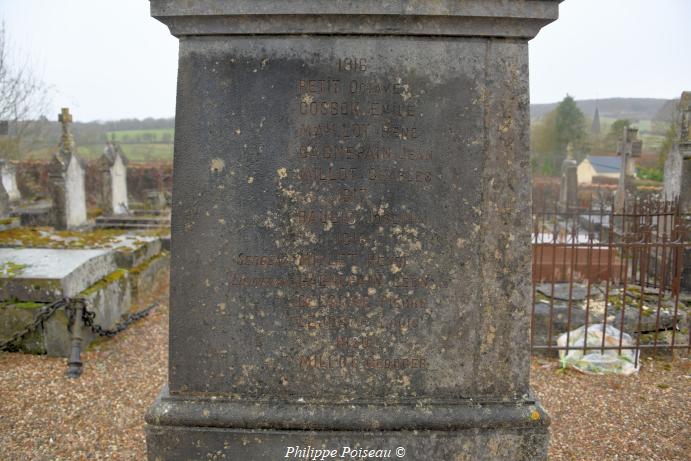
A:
[568,189]
[675,166]
[66,173]
[685,152]
[629,147]
[4,196]
[351,232]
[4,202]
[8,174]
[678,174]
[113,167]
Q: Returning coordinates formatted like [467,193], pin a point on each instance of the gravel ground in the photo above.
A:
[45,416]
[645,416]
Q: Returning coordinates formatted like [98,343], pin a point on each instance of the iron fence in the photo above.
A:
[596,266]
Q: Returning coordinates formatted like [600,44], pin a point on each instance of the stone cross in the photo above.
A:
[367,284]
[629,147]
[66,173]
[67,141]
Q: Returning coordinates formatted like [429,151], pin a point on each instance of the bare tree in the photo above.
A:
[24,100]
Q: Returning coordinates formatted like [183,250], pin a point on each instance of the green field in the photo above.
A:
[163,135]
[138,146]
[146,152]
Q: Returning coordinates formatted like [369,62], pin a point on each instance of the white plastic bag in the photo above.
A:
[594,362]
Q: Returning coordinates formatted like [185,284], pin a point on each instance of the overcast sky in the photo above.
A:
[108,59]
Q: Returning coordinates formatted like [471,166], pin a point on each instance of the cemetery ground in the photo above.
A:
[46,416]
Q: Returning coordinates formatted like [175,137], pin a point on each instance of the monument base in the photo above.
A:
[207,428]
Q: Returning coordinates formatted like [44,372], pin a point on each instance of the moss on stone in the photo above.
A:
[11,269]
[143,266]
[46,237]
[113,277]
[160,232]
[21,304]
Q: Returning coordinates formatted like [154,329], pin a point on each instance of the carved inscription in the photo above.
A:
[351,265]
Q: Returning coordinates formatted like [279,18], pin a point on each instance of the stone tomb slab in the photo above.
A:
[44,275]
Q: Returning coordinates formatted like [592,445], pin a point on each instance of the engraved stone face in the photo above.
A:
[327,233]
[351,230]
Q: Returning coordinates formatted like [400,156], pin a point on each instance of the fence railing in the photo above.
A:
[596,267]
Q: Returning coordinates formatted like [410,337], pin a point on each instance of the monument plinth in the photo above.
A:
[351,231]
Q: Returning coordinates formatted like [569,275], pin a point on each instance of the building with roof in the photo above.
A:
[604,167]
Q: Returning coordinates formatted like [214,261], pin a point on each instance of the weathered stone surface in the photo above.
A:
[110,280]
[645,319]
[36,215]
[148,276]
[45,275]
[9,223]
[109,298]
[351,229]
[4,202]
[133,250]
[113,167]
[8,177]
[558,316]
[568,188]
[471,18]
[66,173]
[498,432]
[565,291]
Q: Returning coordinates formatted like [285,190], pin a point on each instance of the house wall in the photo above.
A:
[585,172]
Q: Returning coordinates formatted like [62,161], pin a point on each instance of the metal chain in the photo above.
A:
[70,307]
[88,319]
[45,313]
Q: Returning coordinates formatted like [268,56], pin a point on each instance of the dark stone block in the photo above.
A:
[350,230]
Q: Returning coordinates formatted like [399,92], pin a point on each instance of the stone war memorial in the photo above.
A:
[351,232]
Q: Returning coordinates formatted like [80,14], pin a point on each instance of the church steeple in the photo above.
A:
[595,128]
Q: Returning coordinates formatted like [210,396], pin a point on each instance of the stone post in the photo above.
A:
[568,189]
[351,231]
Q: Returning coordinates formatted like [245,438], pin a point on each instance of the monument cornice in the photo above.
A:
[460,18]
